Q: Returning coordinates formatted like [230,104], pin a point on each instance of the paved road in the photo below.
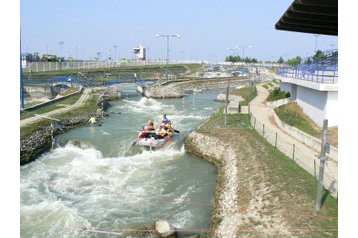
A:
[305,156]
[84,97]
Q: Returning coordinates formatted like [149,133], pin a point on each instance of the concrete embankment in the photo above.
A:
[175,89]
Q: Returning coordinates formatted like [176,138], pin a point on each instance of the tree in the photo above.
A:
[280,60]
[294,61]
[308,60]
[318,55]
[232,59]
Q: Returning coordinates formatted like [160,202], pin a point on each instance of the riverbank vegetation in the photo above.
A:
[275,196]
[277,94]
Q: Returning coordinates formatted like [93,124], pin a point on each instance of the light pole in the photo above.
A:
[61,43]
[167,60]
[115,46]
[243,50]
[315,47]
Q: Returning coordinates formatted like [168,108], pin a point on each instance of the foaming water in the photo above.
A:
[96,178]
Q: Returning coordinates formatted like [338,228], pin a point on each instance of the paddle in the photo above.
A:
[176,131]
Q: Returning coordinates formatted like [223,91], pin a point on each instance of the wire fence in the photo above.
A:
[301,154]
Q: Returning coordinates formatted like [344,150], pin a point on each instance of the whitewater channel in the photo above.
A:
[95,178]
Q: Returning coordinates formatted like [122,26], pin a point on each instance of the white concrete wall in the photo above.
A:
[331,111]
[285,87]
[313,103]
[289,87]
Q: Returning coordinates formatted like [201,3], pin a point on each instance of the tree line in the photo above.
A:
[291,62]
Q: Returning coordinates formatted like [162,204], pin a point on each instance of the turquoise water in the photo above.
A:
[95,178]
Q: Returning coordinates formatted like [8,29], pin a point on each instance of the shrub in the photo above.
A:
[277,94]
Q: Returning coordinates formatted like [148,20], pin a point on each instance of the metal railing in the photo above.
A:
[320,74]
[322,70]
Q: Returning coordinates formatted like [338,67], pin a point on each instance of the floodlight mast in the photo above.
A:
[167,59]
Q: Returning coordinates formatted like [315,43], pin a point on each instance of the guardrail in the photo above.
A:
[320,74]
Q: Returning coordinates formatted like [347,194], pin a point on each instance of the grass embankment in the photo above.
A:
[294,116]
[60,104]
[272,84]
[247,93]
[109,73]
[272,189]
[89,106]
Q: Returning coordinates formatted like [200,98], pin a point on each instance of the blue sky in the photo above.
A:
[208,28]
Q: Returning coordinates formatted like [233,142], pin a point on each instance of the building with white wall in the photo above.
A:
[316,93]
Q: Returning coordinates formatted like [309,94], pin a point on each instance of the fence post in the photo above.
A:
[293,152]
[276,140]
[255,123]
[263,130]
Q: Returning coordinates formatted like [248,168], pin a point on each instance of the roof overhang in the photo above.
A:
[311,16]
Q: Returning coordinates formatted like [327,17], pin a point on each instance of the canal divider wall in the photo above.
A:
[58,99]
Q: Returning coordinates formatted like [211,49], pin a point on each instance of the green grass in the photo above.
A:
[89,106]
[292,115]
[247,93]
[60,104]
[69,90]
[294,187]
[232,121]
[276,81]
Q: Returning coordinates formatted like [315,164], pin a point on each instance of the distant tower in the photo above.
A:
[140,53]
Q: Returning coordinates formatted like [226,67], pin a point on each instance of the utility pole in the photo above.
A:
[21,80]
[324,149]
[226,101]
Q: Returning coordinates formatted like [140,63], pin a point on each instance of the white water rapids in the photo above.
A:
[96,179]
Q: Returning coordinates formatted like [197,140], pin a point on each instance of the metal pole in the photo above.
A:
[293,152]
[226,102]
[166,68]
[321,166]
[21,80]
